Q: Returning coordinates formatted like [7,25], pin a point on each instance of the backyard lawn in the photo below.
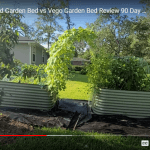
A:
[77,87]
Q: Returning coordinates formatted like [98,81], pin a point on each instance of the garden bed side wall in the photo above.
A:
[21,95]
[134,104]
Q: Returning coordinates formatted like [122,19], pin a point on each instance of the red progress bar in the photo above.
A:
[23,135]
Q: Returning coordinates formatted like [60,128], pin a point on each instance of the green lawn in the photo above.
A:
[80,141]
[77,87]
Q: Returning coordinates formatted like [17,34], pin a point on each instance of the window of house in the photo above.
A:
[43,56]
[33,54]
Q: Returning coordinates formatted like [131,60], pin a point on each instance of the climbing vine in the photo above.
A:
[61,52]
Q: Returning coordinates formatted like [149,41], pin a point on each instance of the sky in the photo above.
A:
[132,8]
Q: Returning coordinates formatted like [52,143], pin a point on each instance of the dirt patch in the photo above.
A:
[11,127]
[118,125]
[23,121]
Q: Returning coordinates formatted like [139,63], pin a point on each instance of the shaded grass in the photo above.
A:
[79,141]
[79,77]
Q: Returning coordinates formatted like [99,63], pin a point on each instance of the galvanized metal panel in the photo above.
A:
[24,96]
[135,104]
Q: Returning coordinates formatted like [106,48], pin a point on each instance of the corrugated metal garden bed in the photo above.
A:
[24,96]
[134,104]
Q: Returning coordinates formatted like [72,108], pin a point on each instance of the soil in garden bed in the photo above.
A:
[19,121]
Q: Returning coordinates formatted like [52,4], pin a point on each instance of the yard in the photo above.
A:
[83,137]
[103,131]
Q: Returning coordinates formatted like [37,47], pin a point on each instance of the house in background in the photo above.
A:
[79,61]
[30,52]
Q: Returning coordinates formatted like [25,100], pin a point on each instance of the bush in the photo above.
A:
[32,74]
[73,71]
[16,70]
[77,68]
[128,74]
[28,71]
[5,70]
[99,69]
[83,71]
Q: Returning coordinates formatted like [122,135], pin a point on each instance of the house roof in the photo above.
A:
[27,40]
[79,59]
[21,38]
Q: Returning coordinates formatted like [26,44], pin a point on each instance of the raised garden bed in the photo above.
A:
[134,104]
[24,96]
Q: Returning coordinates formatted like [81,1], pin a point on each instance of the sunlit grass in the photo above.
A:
[77,88]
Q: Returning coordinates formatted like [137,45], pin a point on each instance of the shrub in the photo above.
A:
[16,70]
[83,71]
[99,69]
[73,71]
[77,68]
[128,74]
[5,70]
[27,71]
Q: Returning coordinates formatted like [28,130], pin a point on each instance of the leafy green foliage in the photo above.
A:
[5,70]
[17,67]
[120,73]
[83,71]
[128,74]
[99,71]
[46,23]
[17,62]
[32,74]
[38,72]
[77,68]
[28,71]
[112,30]
[9,34]
[138,39]
[86,54]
